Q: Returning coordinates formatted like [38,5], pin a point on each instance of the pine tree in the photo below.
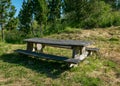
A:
[40,13]
[25,16]
[86,13]
[54,9]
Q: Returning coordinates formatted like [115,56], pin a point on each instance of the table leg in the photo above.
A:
[39,47]
[79,53]
[75,52]
[29,46]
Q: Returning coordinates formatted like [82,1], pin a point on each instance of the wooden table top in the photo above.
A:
[59,42]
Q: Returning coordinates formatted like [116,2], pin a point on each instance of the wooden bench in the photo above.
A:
[91,50]
[35,47]
[48,56]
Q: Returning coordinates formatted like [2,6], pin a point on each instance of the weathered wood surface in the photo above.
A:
[59,42]
[79,49]
[39,47]
[48,56]
[79,53]
[91,50]
[29,46]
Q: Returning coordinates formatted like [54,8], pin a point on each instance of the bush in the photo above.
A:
[116,21]
[89,23]
[98,14]
[14,36]
[58,27]
[106,20]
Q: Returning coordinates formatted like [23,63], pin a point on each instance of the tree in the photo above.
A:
[117,4]
[40,13]
[7,12]
[12,24]
[78,10]
[54,9]
[25,16]
[54,15]
[87,13]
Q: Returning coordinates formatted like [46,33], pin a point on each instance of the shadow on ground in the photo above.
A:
[52,69]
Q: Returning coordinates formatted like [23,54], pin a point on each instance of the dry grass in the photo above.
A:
[107,39]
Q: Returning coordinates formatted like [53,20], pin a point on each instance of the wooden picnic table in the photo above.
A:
[79,51]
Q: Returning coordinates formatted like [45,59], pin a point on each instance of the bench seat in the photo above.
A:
[92,49]
[48,56]
[95,50]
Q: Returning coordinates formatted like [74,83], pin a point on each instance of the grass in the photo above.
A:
[17,70]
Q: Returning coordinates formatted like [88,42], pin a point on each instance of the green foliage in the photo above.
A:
[88,81]
[111,64]
[44,17]
[40,11]
[89,14]
[15,68]
[7,11]
[25,16]
[54,28]
[12,24]
[53,16]
[54,10]
[14,36]
[106,20]
[116,21]
[114,39]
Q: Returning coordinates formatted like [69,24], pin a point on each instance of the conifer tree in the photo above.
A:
[25,16]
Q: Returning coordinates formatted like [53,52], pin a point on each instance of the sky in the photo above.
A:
[17,4]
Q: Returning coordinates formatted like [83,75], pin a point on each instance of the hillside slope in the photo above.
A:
[19,70]
[107,39]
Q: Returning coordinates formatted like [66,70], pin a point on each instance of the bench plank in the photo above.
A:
[95,50]
[92,49]
[48,56]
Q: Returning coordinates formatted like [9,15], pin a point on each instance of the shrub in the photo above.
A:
[106,20]
[97,14]
[14,36]
[116,21]
[58,27]
[89,23]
